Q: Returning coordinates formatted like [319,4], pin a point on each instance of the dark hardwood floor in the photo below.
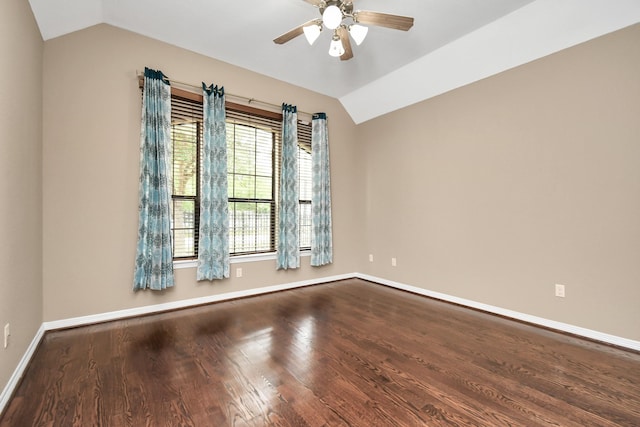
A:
[344,353]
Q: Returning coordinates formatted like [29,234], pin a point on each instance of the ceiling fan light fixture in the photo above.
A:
[358,33]
[336,48]
[312,32]
[345,23]
[332,17]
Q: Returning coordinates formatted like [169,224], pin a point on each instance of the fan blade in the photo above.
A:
[396,22]
[292,34]
[314,2]
[346,43]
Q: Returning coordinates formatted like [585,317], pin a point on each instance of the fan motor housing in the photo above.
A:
[345,6]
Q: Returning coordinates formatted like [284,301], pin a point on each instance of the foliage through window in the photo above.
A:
[253,150]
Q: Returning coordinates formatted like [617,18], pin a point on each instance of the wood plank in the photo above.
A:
[346,353]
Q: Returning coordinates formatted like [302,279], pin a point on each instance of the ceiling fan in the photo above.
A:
[339,17]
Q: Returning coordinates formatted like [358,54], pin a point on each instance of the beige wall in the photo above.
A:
[20,181]
[493,192]
[91,153]
[498,190]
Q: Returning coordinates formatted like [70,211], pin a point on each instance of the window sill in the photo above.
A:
[238,259]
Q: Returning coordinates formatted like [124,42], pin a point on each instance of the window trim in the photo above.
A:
[179,263]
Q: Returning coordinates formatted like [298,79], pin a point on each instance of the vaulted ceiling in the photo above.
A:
[452,42]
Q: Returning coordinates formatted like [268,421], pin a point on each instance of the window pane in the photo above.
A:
[183,213]
[184,158]
[183,243]
[263,227]
[250,227]
[245,150]
[183,225]
[250,171]
[244,187]
[304,172]
[264,153]
[264,187]
[305,225]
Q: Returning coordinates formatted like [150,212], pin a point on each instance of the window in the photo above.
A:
[253,149]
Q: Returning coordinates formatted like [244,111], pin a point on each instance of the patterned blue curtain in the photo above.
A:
[154,259]
[321,238]
[288,251]
[213,241]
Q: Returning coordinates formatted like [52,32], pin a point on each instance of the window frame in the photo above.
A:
[238,119]
[234,109]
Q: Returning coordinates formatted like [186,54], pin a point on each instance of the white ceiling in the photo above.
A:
[452,42]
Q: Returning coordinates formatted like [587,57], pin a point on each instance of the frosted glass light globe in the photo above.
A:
[335,48]
[358,33]
[332,17]
[311,32]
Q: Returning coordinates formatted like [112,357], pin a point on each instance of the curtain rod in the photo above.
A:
[140,75]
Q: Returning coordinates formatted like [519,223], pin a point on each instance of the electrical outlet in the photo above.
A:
[238,272]
[393,262]
[7,332]
[370,257]
[559,290]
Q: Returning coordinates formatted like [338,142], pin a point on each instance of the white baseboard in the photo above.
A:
[157,308]
[539,321]
[22,366]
